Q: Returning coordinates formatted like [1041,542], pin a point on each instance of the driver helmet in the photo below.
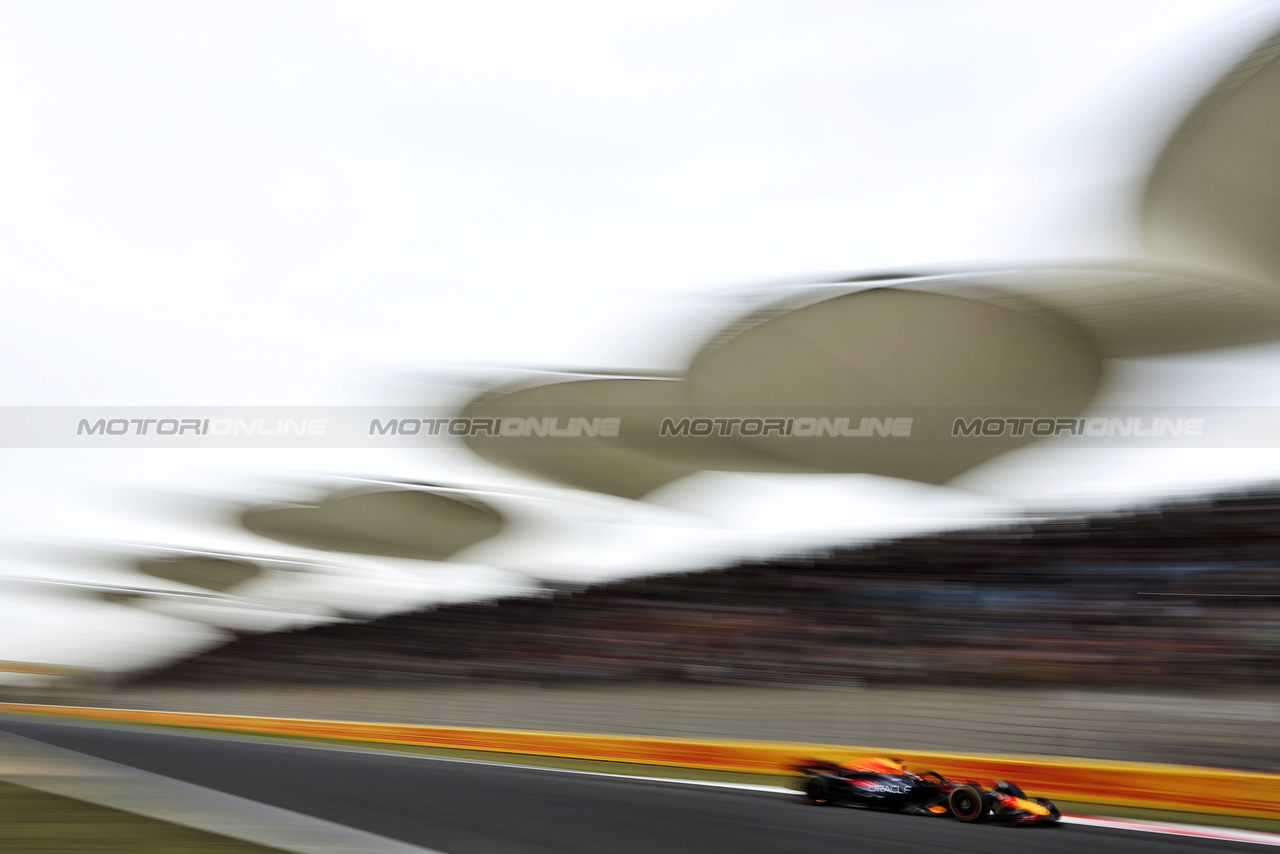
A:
[901,766]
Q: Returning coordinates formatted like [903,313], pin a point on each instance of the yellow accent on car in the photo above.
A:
[1029,806]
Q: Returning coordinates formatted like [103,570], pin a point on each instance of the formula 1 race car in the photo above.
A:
[885,784]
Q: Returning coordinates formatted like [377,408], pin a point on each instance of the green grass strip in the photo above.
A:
[36,822]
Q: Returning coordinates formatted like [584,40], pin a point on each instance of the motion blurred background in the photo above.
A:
[579,209]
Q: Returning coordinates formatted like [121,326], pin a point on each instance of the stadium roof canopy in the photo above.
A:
[934,347]
[1213,198]
[399,522]
[219,574]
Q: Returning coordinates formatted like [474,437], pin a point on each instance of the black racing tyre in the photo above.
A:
[966,804]
[817,790]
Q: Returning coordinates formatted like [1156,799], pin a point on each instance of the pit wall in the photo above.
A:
[1173,787]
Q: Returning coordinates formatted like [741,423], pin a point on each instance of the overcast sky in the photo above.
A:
[348,203]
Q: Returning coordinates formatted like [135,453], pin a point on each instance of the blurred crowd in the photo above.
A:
[1180,595]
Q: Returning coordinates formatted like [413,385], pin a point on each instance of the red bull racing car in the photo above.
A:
[886,784]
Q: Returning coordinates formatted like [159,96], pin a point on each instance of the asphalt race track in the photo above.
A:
[460,808]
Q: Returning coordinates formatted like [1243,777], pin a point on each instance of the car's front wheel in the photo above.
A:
[966,803]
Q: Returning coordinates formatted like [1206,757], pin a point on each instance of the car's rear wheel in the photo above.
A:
[817,790]
[966,803]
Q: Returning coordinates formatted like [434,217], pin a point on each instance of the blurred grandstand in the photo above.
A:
[1181,595]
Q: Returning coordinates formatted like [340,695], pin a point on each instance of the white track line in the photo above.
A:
[1227,833]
